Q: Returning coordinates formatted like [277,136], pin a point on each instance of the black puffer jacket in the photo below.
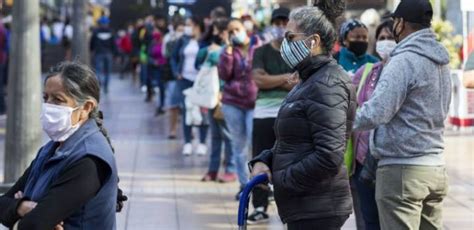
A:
[312,128]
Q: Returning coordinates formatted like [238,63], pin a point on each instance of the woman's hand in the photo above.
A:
[25,207]
[260,168]
[18,195]
[59,226]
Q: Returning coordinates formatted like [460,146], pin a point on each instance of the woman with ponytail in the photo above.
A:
[306,164]
[72,183]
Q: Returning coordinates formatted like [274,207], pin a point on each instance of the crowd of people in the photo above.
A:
[288,133]
[334,127]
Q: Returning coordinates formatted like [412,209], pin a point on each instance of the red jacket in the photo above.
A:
[125,44]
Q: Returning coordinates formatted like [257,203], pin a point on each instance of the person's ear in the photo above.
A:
[87,108]
[315,41]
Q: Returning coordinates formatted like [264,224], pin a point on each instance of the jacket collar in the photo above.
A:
[87,129]
[311,65]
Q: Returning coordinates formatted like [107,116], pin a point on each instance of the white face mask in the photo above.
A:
[248,26]
[57,123]
[385,47]
[188,30]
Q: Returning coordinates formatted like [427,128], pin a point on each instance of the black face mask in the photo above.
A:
[358,48]
[217,39]
[394,32]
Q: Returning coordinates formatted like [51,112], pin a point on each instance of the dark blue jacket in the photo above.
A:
[99,212]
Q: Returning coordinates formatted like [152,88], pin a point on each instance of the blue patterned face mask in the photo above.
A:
[293,53]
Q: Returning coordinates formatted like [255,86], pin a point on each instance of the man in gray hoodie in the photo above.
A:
[407,114]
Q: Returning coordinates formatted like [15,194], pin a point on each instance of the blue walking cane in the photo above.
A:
[245,197]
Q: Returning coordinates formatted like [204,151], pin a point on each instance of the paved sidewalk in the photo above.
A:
[164,187]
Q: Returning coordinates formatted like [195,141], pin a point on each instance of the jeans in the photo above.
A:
[184,84]
[411,196]
[330,223]
[103,66]
[368,206]
[220,135]
[155,73]
[143,74]
[240,122]
[263,138]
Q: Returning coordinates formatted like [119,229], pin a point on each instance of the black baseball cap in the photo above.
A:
[280,13]
[415,11]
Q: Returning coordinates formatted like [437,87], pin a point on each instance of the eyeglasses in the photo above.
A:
[290,35]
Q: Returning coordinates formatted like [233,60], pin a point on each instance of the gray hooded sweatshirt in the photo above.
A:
[410,104]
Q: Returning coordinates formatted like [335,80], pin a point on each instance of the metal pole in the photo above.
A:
[437,9]
[80,38]
[24,134]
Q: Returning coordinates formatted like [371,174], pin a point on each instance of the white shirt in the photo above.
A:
[46,32]
[58,28]
[190,53]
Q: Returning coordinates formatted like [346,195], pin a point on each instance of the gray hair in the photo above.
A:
[314,20]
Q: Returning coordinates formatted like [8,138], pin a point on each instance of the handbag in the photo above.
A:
[218,114]
[205,90]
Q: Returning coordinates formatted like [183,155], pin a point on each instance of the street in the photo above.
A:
[165,191]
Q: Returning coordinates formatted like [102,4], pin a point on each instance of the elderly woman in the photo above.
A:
[72,183]
[314,122]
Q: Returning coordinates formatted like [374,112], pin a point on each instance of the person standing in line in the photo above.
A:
[220,135]
[171,97]
[365,79]
[354,37]
[306,164]
[239,95]
[142,40]
[407,112]
[126,47]
[157,63]
[271,74]
[103,49]
[184,69]
[67,39]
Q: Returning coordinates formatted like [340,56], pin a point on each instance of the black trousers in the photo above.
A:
[263,138]
[331,223]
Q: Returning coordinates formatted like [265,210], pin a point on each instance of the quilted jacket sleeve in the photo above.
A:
[327,108]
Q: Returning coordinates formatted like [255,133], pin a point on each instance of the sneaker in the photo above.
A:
[271,197]
[210,176]
[228,177]
[201,150]
[143,89]
[187,149]
[258,217]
